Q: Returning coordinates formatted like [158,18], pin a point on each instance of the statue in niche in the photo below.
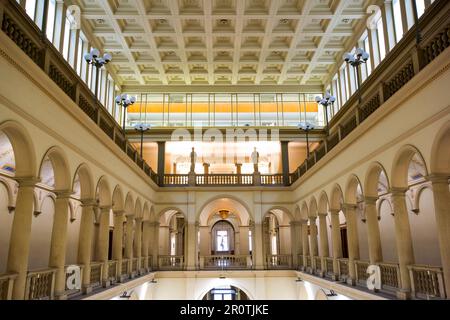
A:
[193,160]
[255,159]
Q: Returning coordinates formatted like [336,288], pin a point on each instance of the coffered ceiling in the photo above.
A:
[223,42]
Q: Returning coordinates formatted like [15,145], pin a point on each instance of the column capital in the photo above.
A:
[105,208]
[370,200]
[295,223]
[27,181]
[322,214]
[398,191]
[334,211]
[88,203]
[438,178]
[155,223]
[63,194]
[118,212]
[304,221]
[350,206]
[312,220]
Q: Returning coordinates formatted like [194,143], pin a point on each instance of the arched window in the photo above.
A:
[222,238]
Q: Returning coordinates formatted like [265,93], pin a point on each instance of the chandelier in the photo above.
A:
[224,214]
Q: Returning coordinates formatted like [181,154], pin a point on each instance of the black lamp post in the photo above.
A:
[326,101]
[125,101]
[142,127]
[355,60]
[98,62]
[307,127]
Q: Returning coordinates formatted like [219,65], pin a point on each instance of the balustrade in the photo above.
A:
[112,271]
[96,274]
[427,282]
[361,271]
[329,269]
[279,261]
[40,284]
[6,285]
[343,269]
[390,276]
[170,262]
[226,262]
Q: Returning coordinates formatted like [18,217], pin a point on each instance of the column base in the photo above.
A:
[61,296]
[86,289]
[335,277]
[403,294]
[351,282]
[106,283]
[122,278]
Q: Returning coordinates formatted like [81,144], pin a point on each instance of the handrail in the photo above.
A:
[40,284]
[401,65]
[225,262]
[427,281]
[21,29]
[6,285]
[182,180]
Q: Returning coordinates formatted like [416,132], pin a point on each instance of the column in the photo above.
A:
[161,161]
[352,240]
[305,241]
[190,246]
[324,248]
[206,168]
[145,244]
[403,240]
[129,242]
[388,20]
[117,244]
[19,245]
[258,252]
[441,197]
[373,230]
[313,235]
[103,243]
[336,239]
[58,243]
[285,161]
[138,242]
[85,242]
[154,245]
[295,242]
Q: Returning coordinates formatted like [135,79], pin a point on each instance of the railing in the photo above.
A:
[361,271]
[6,285]
[223,179]
[176,180]
[112,270]
[134,265]
[300,262]
[142,268]
[125,269]
[390,276]
[427,282]
[329,269]
[171,262]
[343,269]
[70,276]
[18,26]
[226,262]
[96,274]
[317,264]
[150,263]
[40,285]
[401,65]
[279,261]
[272,179]
[307,263]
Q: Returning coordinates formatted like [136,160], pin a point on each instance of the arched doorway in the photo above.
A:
[225,292]
[223,238]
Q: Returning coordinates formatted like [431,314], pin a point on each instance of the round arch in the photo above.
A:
[288,217]
[336,198]
[351,190]
[304,211]
[138,209]
[323,202]
[220,282]
[224,202]
[146,212]
[117,199]
[312,212]
[372,179]
[84,177]
[24,152]
[60,167]
[129,205]
[103,192]
[401,163]
[440,159]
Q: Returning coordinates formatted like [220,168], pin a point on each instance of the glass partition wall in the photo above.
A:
[225,110]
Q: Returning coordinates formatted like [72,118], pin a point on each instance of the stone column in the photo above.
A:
[58,243]
[145,244]
[373,230]
[19,245]
[206,168]
[324,248]
[117,244]
[129,242]
[85,242]
[103,243]
[258,251]
[285,161]
[239,172]
[161,161]
[336,239]
[138,242]
[403,240]
[441,196]
[295,242]
[352,240]
[190,246]
[154,245]
[313,235]
[305,241]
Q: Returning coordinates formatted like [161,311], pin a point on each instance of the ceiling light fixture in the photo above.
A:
[100,21]
[284,21]
[223,21]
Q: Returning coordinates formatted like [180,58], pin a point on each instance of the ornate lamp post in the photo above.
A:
[93,58]
[355,60]
[142,127]
[307,127]
[125,101]
[327,101]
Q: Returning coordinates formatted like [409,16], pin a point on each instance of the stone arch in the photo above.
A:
[59,164]
[129,205]
[224,196]
[351,191]
[171,209]
[219,282]
[336,198]
[103,192]
[304,211]
[23,149]
[146,212]
[312,212]
[288,215]
[297,215]
[323,202]
[83,177]
[372,180]
[117,199]
[138,209]
[440,154]
[10,194]
[400,166]
[224,202]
